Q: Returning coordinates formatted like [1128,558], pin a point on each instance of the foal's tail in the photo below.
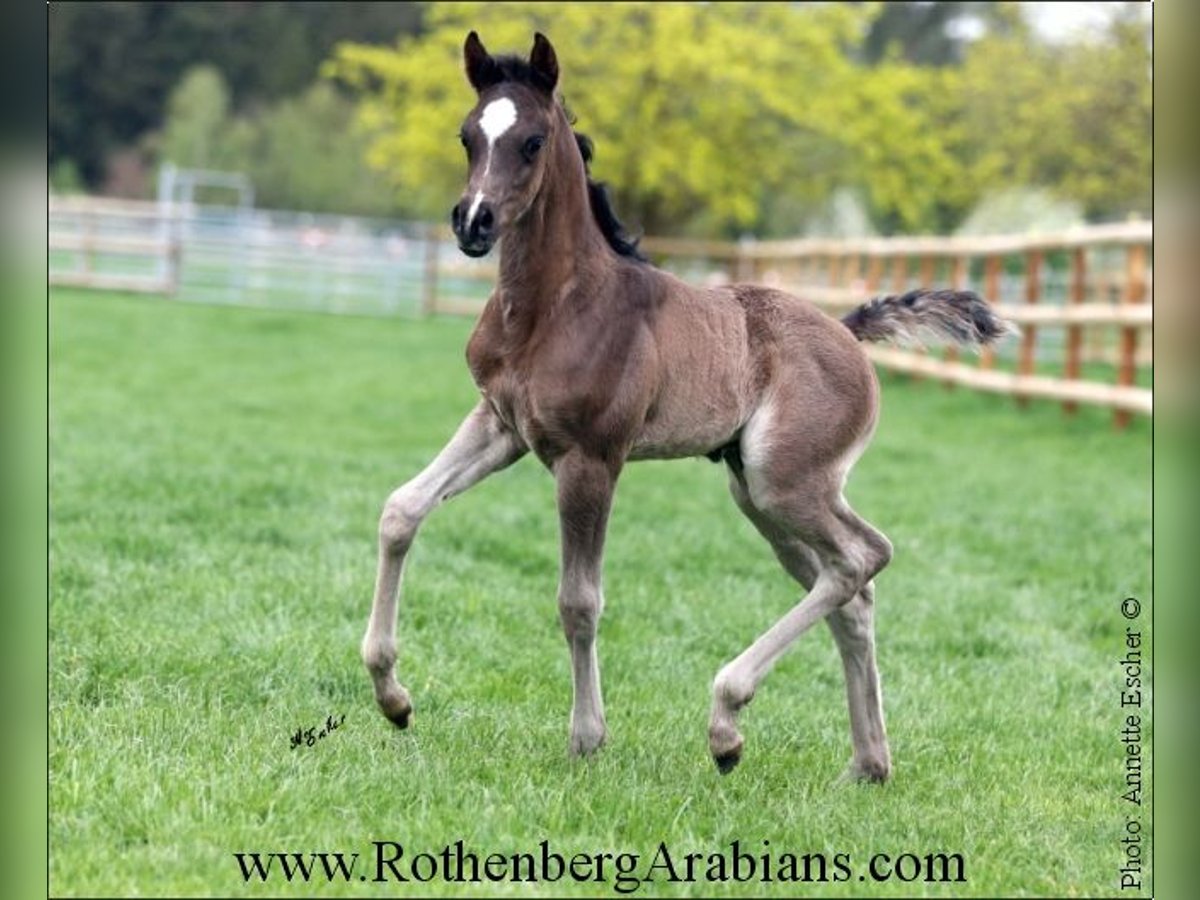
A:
[958,316]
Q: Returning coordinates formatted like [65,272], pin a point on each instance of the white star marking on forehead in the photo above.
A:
[498,116]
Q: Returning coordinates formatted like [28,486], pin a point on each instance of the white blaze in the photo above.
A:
[474,206]
[498,116]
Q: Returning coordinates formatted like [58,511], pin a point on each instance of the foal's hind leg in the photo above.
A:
[821,541]
[853,629]
[481,446]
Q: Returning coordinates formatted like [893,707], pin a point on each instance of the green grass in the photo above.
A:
[216,478]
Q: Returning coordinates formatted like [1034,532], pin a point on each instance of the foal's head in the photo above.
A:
[510,137]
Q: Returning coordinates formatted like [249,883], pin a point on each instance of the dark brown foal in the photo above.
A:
[589,357]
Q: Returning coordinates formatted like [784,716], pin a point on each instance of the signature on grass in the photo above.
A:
[307,737]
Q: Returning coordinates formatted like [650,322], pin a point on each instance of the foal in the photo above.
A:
[588,356]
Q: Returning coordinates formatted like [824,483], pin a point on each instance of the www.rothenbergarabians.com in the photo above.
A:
[626,872]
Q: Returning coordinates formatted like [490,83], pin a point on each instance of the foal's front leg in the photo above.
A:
[481,446]
[585,491]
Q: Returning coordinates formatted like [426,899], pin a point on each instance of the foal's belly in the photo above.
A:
[660,444]
[705,392]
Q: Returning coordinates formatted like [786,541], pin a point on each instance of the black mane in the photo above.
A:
[518,71]
[602,211]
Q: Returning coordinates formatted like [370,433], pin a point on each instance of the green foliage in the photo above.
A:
[309,155]
[1013,210]
[304,152]
[1074,118]
[198,132]
[670,138]
[65,178]
[918,32]
[722,118]
[112,64]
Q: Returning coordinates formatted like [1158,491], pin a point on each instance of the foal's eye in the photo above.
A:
[462,139]
[532,146]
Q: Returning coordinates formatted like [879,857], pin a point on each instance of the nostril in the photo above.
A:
[456,216]
[485,219]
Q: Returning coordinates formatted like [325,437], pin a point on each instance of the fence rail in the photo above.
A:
[1079,296]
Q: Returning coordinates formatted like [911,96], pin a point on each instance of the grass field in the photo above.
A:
[216,478]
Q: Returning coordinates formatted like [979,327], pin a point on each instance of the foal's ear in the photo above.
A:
[543,62]
[482,70]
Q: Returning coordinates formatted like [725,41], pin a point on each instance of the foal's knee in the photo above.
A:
[398,524]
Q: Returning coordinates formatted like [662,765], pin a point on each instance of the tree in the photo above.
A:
[920,33]
[693,107]
[1073,118]
[308,154]
[112,64]
[198,132]
[302,152]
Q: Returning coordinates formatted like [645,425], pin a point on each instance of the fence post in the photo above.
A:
[899,286]
[925,271]
[899,273]
[170,214]
[1033,290]
[429,272]
[87,219]
[743,266]
[958,281]
[174,265]
[874,272]
[1135,292]
[850,270]
[991,293]
[1075,296]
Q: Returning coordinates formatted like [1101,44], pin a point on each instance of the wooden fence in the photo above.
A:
[1079,297]
[239,255]
[121,245]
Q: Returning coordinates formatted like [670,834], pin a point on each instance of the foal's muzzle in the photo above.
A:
[475,237]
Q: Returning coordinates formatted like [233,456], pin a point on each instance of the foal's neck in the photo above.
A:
[547,250]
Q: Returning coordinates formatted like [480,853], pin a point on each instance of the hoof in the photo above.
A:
[725,744]
[726,762]
[872,772]
[726,753]
[585,744]
[397,708]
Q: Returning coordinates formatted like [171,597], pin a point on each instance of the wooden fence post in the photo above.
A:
[899,286]
[958,281]
[1033,290]
[850,269]
[899,273]
[925,277]
[874,273]
[88,221]
[1074,349]
[1135,292]
[991,293]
